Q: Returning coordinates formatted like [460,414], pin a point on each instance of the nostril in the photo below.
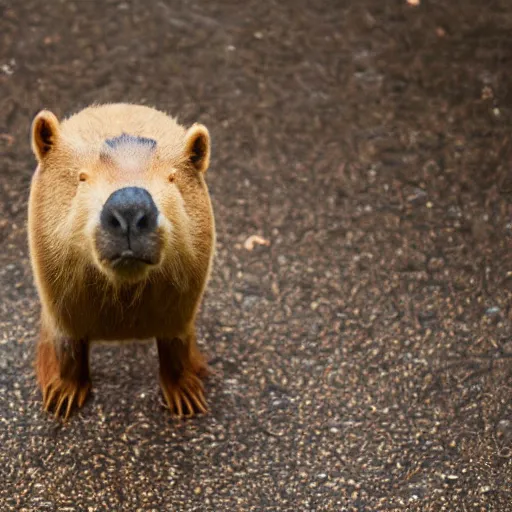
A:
[114,223]
[142,223]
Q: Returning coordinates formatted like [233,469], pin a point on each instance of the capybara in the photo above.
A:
[121,235]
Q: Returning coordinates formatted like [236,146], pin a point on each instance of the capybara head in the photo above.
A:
[121,189]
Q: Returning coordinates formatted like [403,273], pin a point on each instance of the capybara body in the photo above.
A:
[121,236]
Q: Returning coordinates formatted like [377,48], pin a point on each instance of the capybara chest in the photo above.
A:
[131,313]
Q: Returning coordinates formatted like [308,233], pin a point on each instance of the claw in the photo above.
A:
[70,397]
[197,396]
[82,395]
[49,399]
[167,397]
[200,402]
[188,405]
[177,403]
[185,397]
[68,408]
[45,395]
[64,395]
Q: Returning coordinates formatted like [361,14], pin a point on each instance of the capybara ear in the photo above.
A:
[45,133]
[197,147]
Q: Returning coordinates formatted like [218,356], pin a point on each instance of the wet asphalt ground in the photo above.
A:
[363,359]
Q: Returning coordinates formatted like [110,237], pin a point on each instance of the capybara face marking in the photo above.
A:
[128,152]
[127,139]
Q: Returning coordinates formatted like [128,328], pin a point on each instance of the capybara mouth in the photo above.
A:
[129,266]
[127,263]
[128,259]
[124,269]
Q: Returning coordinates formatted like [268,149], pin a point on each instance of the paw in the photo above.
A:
[184,396]
[60,395]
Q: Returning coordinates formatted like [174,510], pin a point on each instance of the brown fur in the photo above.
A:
[81,297]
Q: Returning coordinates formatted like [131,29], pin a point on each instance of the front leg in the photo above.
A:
[62,369]
[181,366]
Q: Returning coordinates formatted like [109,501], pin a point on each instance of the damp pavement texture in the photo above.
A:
[363,360]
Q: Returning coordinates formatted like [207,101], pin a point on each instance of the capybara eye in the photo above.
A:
[82,176]
[171,178]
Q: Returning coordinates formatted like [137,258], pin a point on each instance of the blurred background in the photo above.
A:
[362,346]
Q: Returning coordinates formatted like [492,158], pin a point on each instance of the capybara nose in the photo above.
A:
[129,212]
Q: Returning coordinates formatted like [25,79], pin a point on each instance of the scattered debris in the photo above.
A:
[8,69]
[51,39]
[418,196]
[9,139]
[504,430]
[487,93]
[255,240]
